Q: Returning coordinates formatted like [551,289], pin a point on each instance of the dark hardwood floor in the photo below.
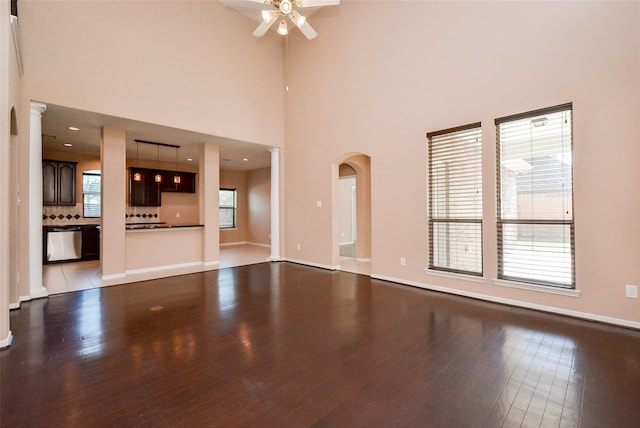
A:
[284,345]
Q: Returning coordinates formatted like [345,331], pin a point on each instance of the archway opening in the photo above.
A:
[352,214]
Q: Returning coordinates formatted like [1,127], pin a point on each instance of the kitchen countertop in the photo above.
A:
[148,226]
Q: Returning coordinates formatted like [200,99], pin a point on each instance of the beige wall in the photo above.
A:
[170,63]
[5,138]
[253,211]
[450,64]
[16,221]
[259,206]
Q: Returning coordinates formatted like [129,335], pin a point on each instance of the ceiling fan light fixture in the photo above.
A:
[297,19]
[268,15]
[282,28]
[286,7]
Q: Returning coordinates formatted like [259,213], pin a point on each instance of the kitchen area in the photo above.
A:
[164,234]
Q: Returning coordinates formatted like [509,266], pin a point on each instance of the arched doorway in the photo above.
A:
[351,248]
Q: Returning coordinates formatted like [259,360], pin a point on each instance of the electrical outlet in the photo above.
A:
[298,247]
[631,291]
[177,215]
[319,203]
[403,261]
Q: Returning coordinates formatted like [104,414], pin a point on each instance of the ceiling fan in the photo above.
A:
[283,9]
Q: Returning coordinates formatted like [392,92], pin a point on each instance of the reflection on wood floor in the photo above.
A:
[286,345]
[75,276]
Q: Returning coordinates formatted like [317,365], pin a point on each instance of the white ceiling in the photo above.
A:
[254,10]
[56,120]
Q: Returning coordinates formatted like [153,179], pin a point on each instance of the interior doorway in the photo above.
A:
[352,214]
[347,208]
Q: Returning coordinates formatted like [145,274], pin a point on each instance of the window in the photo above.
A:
[535,199]
[228,207]
[455,199]
[91,193]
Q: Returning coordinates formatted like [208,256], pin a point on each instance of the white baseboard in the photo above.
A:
[306,263]
[24,299]
[14,306]
[211,264]
[518,303]
[230,244]
[113,276]
[363,260]
[165,267]
[39,293]
[6,342]
[259,245]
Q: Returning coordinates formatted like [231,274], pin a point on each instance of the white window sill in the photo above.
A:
[462,276]
[222,229]
[538,288]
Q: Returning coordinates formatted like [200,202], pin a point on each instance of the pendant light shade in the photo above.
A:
[176,176]
[158,176]
[282,28]
[136,175]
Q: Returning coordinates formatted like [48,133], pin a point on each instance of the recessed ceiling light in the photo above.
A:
[68,145]
[245,159]
[72,128]
[189,160]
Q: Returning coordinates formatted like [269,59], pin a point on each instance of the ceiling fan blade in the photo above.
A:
[317,3]
[264,26]
[260,1]
[308,31]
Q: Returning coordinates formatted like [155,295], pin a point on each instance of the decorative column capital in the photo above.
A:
[274,150]
[38,108]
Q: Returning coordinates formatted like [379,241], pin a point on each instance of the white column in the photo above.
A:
[35,201]
[113,244]
[209,183]
[275,204]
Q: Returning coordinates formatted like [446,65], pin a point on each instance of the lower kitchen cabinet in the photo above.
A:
[90,242]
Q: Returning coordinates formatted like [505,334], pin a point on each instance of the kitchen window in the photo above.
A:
[455,199]
[536,240]
[91,197]
[228,208]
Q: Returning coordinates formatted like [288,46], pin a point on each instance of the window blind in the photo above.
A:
[536,240]
[227,203]
[91,197]
[455,199]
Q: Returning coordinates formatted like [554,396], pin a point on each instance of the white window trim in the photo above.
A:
[453,275]
[538,288]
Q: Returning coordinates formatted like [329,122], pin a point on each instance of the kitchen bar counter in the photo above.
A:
[151,247]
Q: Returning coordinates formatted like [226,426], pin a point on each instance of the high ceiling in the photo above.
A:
[56,120]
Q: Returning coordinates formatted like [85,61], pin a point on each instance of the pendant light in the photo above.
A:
[176,177]
[158,176]
[137,176]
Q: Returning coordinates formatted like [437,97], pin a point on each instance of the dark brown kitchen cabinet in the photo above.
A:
[90,242]
[58,183]
[145,192]
[187,182]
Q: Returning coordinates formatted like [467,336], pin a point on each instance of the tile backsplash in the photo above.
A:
[59,215]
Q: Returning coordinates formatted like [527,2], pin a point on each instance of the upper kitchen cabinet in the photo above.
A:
[187,182]
[58,183]
[143,190]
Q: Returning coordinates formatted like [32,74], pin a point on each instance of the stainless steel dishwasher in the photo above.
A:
[64,244]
